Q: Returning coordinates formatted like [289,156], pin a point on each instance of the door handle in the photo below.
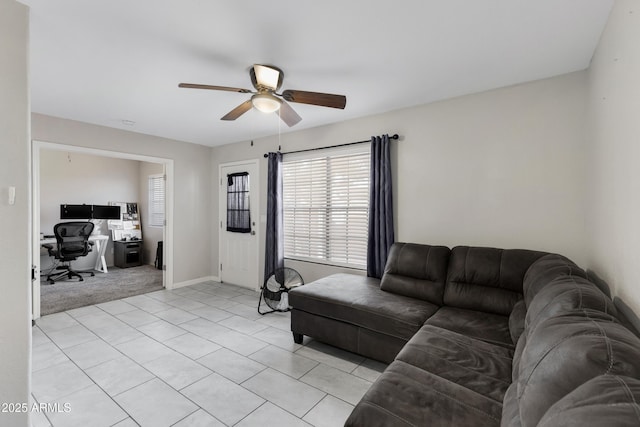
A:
[253,233]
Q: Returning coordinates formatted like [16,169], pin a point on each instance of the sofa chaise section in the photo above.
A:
[361,314]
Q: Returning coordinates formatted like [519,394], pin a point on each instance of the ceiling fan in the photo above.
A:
[266,80]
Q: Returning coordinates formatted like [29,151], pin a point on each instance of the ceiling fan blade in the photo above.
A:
[209,87]
[288,114]
[238,111]
[315,98]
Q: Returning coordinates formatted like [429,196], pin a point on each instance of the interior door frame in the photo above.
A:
[167,233]
[254,200]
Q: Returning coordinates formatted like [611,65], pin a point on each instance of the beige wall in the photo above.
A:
[501,168]
[193,181]
[614,166]
[15,284]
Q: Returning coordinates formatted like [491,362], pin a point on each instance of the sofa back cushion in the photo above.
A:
[544,271]
[567,295]
[602,401]
[487,279]
[566,351]
[417,271]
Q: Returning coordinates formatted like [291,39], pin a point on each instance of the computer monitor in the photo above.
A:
[75,211]
[106,212]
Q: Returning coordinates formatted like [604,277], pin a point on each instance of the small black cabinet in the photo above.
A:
[127,253]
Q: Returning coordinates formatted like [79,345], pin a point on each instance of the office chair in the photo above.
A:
[72,242]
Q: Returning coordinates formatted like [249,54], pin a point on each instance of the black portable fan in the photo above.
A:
[275,291]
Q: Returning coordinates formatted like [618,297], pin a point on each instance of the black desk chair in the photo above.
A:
[72,242]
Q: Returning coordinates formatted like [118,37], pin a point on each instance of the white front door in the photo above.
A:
[239,248]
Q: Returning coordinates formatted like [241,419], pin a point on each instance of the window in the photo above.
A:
[156,200]
[238,213]
[326,206]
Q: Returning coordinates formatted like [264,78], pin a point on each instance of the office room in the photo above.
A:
[68,177]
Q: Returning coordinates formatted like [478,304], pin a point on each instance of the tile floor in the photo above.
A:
[196,356]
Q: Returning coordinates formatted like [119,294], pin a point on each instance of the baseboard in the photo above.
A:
[195,281]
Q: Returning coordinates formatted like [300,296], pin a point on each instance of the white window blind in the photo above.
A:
[326,207]
[156,200]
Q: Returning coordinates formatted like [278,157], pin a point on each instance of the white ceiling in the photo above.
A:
[105,61]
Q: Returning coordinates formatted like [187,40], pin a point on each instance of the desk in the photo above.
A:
[101,246]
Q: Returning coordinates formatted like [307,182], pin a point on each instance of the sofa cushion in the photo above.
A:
[565,352]
[602,401]
[487,279]
[544,271]
[405,395]
[569,295]
[491,328]
[510,408]
[358,300]
[417,271]
[479,366]
[516,321]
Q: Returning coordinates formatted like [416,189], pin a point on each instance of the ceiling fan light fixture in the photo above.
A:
[267,76]
[265,103]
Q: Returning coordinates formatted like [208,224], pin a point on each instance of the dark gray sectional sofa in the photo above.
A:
[479,337]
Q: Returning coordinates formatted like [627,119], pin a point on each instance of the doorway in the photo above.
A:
[167,232]
[239,223]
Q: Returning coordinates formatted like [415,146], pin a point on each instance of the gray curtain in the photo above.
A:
[274,248]
[381,235]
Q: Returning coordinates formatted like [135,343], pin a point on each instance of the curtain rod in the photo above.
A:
[394,136]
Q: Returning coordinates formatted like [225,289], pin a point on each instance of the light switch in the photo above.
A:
[12,195]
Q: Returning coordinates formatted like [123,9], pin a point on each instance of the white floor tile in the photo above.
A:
[155,404]
[137,317]
[83,311]
[92,353]
[211,313]
[337,383]
[186,304]
[223,398]
[116,307]
[192,345]
[369,370]
[119,375]
[231,365]
[38,337]
[118,334]
[240,343]
[46,355]
[280,338]
[177,370]
[199,418]
[268,411]
[53,322]
[144,349]
[57,381]
[87,407]
[245,311]
[204,328]
[147,304]
[284,361]
[126,423]
[332,356]
[243,325]
[284,391]
[71,336]
[161,330]
[277,320]
[329,412]
[175,315]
